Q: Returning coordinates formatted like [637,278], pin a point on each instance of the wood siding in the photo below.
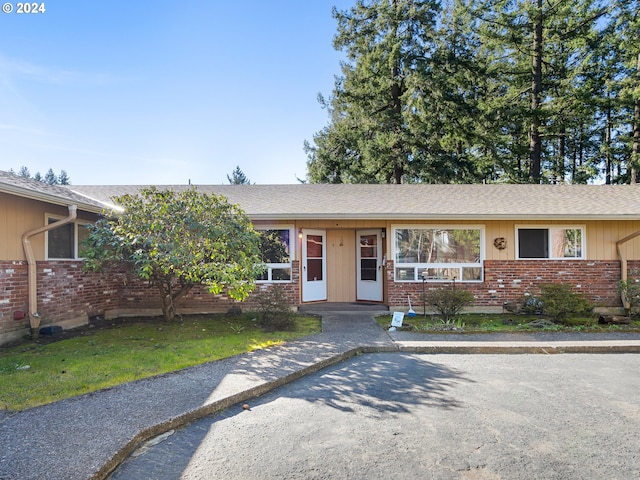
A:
[19,215]
[600,236]
[341,266]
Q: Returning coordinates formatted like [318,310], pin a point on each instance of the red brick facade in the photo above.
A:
[509,280]
[66,294]
[70,296]
[137,295]
[13,297]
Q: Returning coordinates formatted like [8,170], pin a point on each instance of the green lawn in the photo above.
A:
[35,374]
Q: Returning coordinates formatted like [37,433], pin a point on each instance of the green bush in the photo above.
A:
[559,301]
[531,305]
[449,302]
[274,309]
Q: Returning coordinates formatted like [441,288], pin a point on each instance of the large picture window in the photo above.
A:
[551,243]
[276,250]
[66,241]
[438,253]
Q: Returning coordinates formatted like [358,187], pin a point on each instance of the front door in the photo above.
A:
[314,265]
[369,255]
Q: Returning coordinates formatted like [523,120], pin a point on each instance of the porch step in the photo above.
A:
[342,307]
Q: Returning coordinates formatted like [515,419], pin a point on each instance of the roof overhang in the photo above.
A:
[428,217]
[54,199]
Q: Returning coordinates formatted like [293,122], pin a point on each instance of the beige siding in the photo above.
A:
[341,265]
[600,236]
[19,215]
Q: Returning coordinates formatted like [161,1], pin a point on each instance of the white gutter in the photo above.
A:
[32,277]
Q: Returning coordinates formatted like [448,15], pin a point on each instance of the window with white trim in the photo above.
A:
[438,253]
[560,243]
[276,250]
[66,241]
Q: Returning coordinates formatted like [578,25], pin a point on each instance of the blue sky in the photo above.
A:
[163,92]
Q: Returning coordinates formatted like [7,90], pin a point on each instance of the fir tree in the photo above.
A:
[238,177]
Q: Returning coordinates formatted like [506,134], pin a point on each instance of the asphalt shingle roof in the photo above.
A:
[415,201]
[55,194]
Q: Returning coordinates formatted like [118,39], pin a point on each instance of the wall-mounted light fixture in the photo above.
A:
[300,234]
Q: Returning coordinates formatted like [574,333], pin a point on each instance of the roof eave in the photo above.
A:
[427,216]
[52,199]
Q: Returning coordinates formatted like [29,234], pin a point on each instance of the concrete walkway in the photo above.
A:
[87,437]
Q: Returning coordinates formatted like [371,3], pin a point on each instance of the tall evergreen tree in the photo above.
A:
[493,90]
[446,105]
[238,177]
[540,48]
[371,137]
[50,177]
[63,178]
[628,35]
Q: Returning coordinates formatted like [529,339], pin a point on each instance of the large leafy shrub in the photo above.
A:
[177,240]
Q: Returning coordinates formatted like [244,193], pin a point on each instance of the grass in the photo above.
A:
[35,374]
[487,323]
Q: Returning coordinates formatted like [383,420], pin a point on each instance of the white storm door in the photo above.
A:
[369,283]
[314,265]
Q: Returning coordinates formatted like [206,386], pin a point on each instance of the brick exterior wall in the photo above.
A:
[137,295]
[69,296]
[13,297]
[67,293]
[509,280]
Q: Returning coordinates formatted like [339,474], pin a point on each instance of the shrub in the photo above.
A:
[559,301]
[531,305]
[449,302]
[274,309]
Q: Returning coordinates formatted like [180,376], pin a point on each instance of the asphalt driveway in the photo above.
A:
[415,416]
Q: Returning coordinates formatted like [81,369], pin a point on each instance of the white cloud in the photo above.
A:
[12,69]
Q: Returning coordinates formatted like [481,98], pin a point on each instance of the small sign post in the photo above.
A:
[397,319]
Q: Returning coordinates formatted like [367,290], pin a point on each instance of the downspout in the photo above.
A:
[32,277]
[623,266]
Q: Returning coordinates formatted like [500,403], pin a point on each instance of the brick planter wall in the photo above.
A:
[138,296]
[509,280]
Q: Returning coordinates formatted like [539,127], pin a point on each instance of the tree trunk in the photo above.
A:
[635,153]
[562,142]
[535,141]
[169,296]
[607,144]
[396,105]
